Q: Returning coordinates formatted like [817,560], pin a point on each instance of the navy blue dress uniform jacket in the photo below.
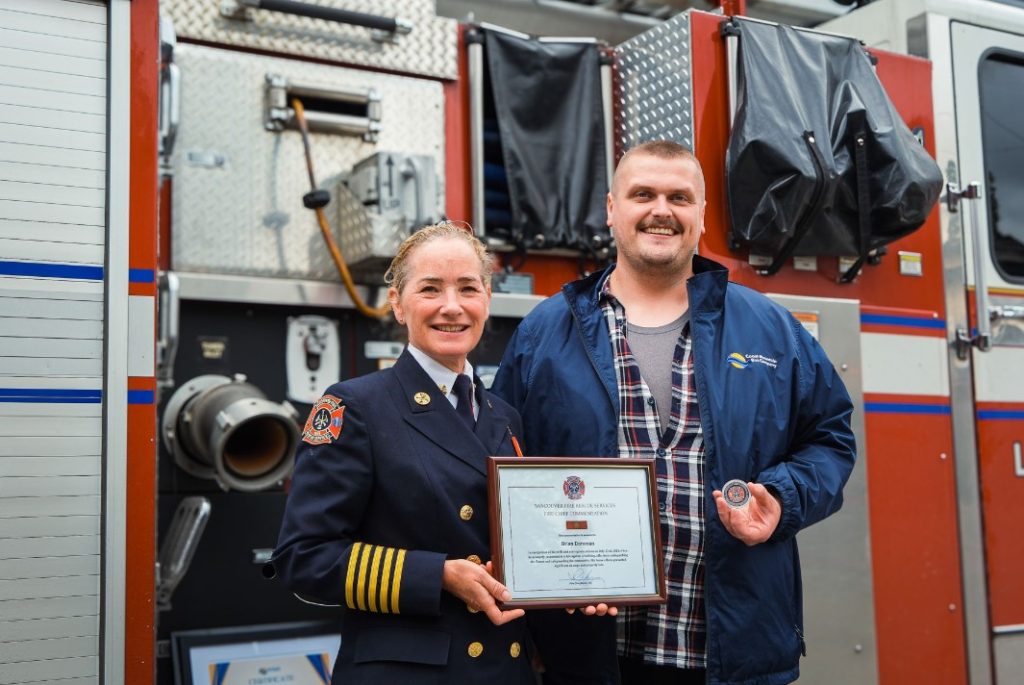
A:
[373,514]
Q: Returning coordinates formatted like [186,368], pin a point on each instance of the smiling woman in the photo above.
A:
[441,291]
[387,513]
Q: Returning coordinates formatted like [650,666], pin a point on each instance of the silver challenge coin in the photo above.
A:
[736,493]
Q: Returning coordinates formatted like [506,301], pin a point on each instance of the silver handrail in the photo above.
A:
[983,340]
[475,57]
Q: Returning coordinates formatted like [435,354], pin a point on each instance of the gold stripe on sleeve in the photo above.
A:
[353,561]
[396,582]
[364,564]
[388,558]
[374,570]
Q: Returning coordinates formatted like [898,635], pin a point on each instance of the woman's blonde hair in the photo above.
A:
[398,272]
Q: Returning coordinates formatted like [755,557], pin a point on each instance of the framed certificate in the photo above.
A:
[570,532]
[293,653]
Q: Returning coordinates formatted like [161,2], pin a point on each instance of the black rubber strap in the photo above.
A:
[860,161]
[810,217]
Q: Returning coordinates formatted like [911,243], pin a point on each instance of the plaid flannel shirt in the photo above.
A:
[673,634]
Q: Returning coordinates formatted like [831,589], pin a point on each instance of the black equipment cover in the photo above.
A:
[819,162]
[547,98]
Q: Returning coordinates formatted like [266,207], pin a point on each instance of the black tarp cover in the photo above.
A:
[796,85]
[547,99]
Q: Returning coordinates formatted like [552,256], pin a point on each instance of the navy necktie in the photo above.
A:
[463,390]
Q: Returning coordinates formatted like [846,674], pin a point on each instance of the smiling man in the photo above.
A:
[643,360]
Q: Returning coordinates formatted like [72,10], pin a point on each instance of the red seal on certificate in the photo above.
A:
[574,487]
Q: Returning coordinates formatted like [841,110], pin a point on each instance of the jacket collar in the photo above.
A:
[709,277]
[438,422]
[707,286]
[706,290]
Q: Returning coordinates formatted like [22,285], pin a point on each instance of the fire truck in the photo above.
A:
[197,200]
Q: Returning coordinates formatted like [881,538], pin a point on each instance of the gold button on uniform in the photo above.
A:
[466,512]
[474,558]
[475,649]
[472,610]
[514,649]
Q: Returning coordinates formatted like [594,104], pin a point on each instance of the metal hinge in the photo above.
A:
[954,194]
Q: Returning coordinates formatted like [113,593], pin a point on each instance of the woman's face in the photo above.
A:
[444,302]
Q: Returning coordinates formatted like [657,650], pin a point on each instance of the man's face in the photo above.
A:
[656,212]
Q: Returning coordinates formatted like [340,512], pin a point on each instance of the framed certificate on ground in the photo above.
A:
[570,532]
[292,653]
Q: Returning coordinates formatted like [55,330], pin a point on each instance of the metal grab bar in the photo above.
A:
[179,546]
[730,31]
[278,115]
[983,340]
[983,313]
[475,58]
[1005,311]
[235,9]
[169,296]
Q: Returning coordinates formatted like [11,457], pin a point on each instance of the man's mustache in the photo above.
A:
[660,223]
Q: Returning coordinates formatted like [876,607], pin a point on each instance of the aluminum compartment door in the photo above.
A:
[989,93]
[53,228]
[237,201]
[835,557]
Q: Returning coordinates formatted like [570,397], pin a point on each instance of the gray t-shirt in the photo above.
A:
[654,350]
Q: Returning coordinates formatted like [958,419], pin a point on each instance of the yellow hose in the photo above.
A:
[325,230]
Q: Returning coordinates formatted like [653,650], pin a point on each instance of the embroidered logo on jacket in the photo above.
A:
[737,360]
[324,422]
[742,361]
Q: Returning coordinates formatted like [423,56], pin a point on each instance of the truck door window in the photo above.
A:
[1001,84]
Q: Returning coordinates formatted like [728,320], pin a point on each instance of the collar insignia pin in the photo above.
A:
[421,398]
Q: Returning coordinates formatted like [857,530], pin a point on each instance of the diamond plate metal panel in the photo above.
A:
[237,200]
[654,85]
[430,49]
[368,241]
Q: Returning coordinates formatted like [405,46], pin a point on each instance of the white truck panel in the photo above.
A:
[904,364]
[53,230]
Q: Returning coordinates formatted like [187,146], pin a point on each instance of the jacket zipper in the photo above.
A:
[708,576]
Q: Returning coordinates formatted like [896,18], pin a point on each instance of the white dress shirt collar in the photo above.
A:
[442,375]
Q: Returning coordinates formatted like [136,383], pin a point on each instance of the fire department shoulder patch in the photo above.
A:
[324,422]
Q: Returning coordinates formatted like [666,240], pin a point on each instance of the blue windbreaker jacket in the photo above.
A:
[773,411]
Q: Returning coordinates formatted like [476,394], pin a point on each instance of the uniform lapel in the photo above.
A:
[436,419]
[491,425]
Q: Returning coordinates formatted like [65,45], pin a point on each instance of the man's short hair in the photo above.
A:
[665,149]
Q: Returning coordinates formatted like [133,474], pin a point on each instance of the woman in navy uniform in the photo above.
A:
[387,514]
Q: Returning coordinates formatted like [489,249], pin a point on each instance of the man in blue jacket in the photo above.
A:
[661,356]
